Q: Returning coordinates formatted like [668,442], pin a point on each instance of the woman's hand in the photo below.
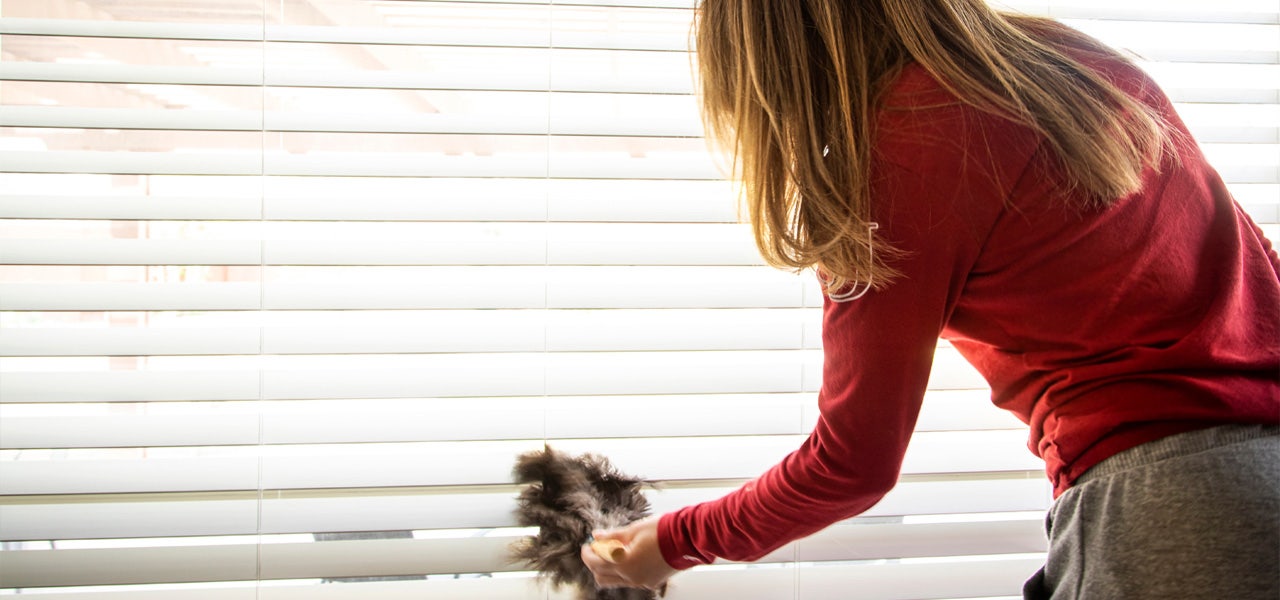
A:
[641,567]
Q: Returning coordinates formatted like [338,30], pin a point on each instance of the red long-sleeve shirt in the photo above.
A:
[1100,328]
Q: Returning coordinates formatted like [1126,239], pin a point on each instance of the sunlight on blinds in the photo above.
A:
[287,285]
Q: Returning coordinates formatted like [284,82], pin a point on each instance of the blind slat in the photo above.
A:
[458,375]
[1230,30]
[997,576]
[465,419]
[307,511]
[400,164]
[339,332]
[1193,11]
[638,83]
[419,36]
[532,247]
[349,122]
[1231,123]
[395,557]
[1179,79]
[1250,163]
[442,288]
[687,201]
[402,199]
[471,463]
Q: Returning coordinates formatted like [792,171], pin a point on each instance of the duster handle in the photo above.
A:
[610,550]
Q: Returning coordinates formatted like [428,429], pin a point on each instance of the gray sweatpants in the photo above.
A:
[1188,517]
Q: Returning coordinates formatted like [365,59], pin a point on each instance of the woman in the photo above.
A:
[1016,187]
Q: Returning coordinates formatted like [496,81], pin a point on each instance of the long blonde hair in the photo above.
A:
[790,89]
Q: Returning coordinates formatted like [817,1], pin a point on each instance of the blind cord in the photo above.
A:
[546,229]
[262,295]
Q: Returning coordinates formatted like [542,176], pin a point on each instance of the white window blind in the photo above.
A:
[286,285]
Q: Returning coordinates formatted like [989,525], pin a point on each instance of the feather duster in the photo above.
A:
[566,498]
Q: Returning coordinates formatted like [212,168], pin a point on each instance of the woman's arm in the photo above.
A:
[941,183]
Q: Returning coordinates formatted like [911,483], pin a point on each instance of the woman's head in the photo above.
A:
[790,89]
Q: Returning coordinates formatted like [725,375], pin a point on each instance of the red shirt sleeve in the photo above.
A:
[938,190]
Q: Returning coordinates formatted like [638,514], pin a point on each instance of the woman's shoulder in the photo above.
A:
[914,88]
[923,126]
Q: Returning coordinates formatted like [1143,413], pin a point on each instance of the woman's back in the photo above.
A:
[1102,327]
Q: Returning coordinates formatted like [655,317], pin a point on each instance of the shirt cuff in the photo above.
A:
[674,543]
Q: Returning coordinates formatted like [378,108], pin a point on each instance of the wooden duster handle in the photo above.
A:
[611,550]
